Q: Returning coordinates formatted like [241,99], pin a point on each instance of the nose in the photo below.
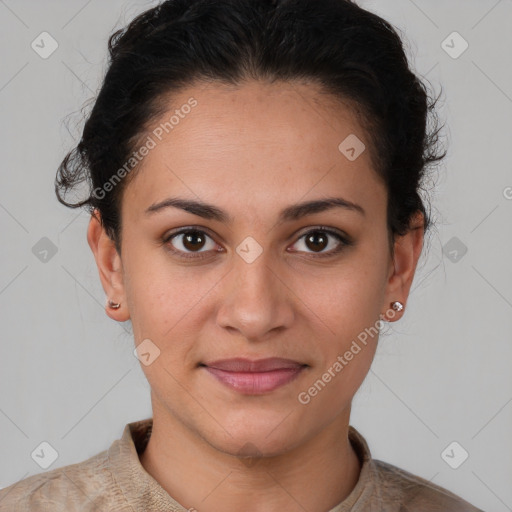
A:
[255,299]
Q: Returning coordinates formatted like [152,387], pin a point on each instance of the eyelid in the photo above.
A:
[328,229]
[344,240]
[184,229]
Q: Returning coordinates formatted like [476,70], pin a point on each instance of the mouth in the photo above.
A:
[254,377]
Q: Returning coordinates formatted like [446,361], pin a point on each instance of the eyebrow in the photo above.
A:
[290,213]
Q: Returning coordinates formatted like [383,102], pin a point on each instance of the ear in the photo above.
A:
[110,267]
[403,266]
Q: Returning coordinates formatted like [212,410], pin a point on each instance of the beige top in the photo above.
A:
[114,480]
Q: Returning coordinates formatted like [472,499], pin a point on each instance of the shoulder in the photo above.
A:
[83,486]
[415,493]
[388,488]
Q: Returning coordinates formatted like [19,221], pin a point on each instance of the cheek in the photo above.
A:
[159,293]
[166,305]
[348,303]
[346,300]
[345,356]
[349,349]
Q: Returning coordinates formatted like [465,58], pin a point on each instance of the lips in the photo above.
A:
[259,365]
[254,377]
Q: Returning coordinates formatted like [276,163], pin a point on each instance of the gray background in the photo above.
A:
[68,375]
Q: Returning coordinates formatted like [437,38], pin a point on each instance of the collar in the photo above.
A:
[143,492]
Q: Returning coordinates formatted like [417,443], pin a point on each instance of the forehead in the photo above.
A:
[256,142]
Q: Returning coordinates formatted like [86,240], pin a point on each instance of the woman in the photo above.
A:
[255,168]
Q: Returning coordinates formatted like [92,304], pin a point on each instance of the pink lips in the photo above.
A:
[254,377]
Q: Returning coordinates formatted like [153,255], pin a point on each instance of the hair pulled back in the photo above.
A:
[352,53]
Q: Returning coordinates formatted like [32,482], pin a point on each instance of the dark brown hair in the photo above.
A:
[355,55]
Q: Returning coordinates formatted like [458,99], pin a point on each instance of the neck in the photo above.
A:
[315,476]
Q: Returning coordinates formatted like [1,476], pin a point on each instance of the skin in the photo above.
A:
[275,145]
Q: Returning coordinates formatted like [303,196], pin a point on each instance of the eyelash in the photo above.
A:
[344,241]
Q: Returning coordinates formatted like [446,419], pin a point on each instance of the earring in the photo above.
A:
[397,305]
[113,305]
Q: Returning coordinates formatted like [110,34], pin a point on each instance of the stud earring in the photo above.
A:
[113,305]
[397,305]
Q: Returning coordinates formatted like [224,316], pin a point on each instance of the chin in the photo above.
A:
[256,446]
[267,436]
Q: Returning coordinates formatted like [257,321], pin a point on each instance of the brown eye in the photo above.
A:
[189,241]
[317,240]
[193,240]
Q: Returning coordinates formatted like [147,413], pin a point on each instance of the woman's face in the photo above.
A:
[253,282]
